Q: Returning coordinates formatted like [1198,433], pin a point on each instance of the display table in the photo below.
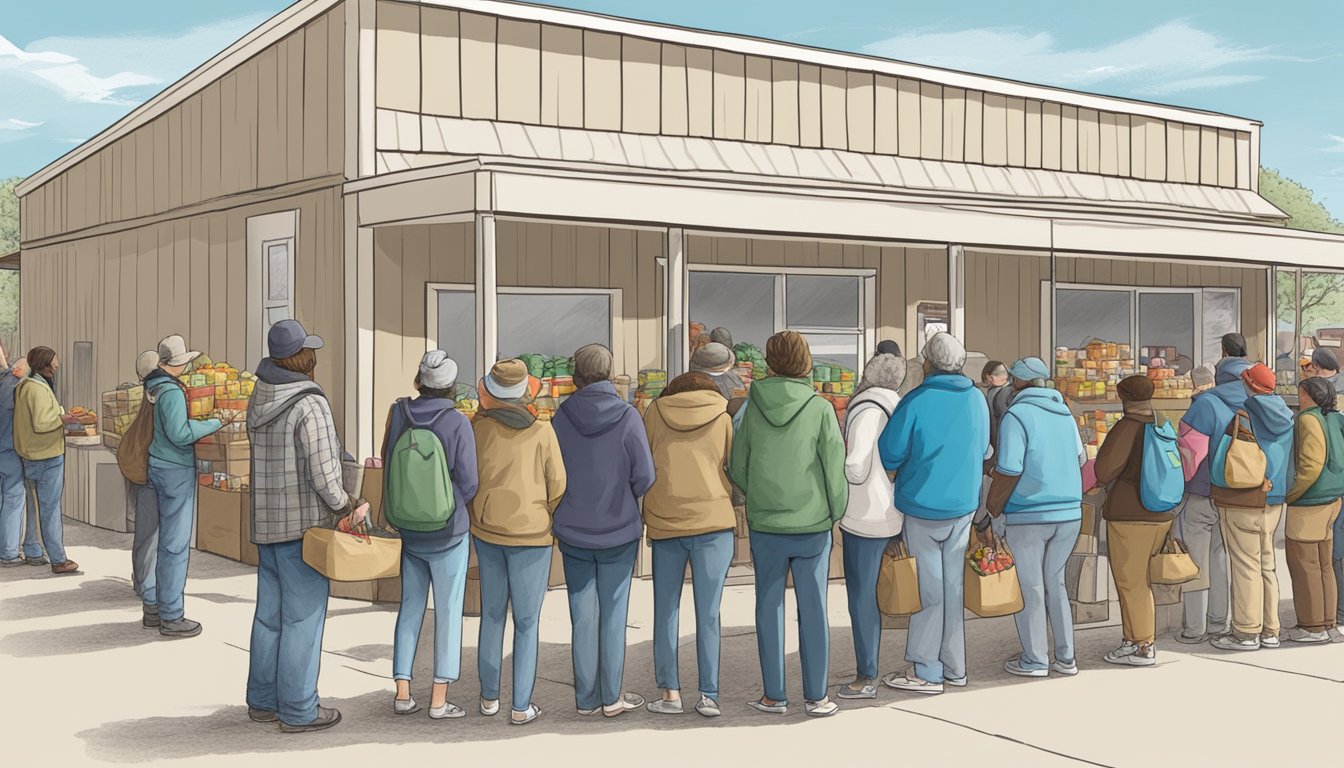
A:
[95,492]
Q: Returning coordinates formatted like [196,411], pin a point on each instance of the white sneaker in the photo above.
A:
[867,691]
[823,708]
[1126,649]
[665,707]
[628,702]
[1270,641]
[489,708]
[708,707]
[1234,643]
[1131,655]
[1300,635]
[956,682]
[911,683]
[1014,667]
[405,706]
[770,709]
[1067,670]
[448,711]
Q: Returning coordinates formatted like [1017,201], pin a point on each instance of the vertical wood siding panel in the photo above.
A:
[440,62]
[1123,143]
[1052,141]
[295,93]
[561,76]
[730,95]
[519,71]
[176,159]
[1243,154]
[859,112]
[931,121]
[162,166]
[247,126]
[886,119]
[1227,158]
[1208,156]
[1156,149]
[601,81]
[954,124]
[315,76]
[641,75]
[212,141]
[478,78]
[397,52]
[270,141]
[1033,138]
[996,129]
[809,105]
[834,116]
[760,113]
[216,300]
[700,91]
[674,107]
[1016,115]
[1177,155]
[335,116]
[975,127]
[908,117]
[784,102]
[1068,136]
[235,297]
[1089,141]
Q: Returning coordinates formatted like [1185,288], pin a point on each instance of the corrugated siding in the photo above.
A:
[277,118]
[126,290]
[604,81]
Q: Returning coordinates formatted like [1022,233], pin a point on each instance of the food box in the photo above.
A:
[223,523]
[1087,578]
[1090,613]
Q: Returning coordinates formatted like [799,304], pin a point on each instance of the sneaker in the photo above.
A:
[1234,643]
[39,560]
[262,715]
[1185,638]
[182,627]
[1014,667]
[448,711]
[1067,670]
[489,708]
[1300,635]
[65,569]
[150,619]
[1270,641]
[405,706]
[1131,655]
[910,683]
[627,703]
[326,718]
[589,712]
[708,707]
[528,715]
[665,707]
[955,682]
[780,708]
[12,563]
[823,708]
[868,691]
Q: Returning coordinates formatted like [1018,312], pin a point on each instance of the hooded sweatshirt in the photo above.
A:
[437,415]
[1207,420]
[607,461]
[870,512]
[691,438]
[38,431]
[1039,444]
[937,443]
[175,434]
[1272,423]
[522,479]
[296,457]
[789,459]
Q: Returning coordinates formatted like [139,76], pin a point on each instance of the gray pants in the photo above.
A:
[936,640]
[142,514]
[1206,599]
[1041,551]
[1339,581]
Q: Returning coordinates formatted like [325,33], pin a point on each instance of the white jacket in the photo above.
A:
[870,511]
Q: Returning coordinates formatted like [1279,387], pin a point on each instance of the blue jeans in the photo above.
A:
[446,570]
[1040,552]
[46,478]
[144,504]
[808,556]
[13,508]
[863,561]
[517,576]
[598,581]
[287,634]
[710,554]
[174,489]
[936,640]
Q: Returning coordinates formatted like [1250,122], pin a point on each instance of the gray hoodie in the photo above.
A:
[296,457]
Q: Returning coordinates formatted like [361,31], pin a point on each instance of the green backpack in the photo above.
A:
[418,494]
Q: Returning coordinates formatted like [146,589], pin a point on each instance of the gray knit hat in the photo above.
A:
[945,353]
[437,370]
[712,357]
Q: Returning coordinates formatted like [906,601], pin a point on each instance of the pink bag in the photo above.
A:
[1089,475]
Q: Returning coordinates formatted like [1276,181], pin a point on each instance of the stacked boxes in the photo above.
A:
[1091,373]
[1087,575]
[119,410]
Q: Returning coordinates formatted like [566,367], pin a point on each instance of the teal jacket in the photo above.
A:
[175,434]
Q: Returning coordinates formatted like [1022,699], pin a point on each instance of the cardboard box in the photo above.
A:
[1090,613]
[471,601]
[1087,578]
[219,522]
[224,452]
[1091,516]
[1086,544]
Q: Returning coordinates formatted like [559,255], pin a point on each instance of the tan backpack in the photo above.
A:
[133,452]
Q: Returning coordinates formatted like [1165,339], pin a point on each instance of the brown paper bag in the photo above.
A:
[347,557]
[992,594]
[1172,564]
[898,584]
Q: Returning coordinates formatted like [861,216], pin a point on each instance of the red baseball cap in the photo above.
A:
[1260,379]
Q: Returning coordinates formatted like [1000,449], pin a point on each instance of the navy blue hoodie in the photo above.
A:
[607,459]
[459,445]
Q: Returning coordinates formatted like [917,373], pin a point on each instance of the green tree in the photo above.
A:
[9,279]
[1298,202]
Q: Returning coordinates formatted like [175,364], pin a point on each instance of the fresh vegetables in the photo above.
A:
[987,560]
[750,354]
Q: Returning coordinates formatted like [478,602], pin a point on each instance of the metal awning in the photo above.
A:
[10,260]
[775,163]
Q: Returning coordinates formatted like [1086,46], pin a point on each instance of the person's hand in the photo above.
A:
[1268,486]
[893,547]
[360,515]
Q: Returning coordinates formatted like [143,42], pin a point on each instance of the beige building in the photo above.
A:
[496,178]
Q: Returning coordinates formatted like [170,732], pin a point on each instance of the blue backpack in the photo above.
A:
[1161,477]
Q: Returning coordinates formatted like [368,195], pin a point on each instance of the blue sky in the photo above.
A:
[69,69]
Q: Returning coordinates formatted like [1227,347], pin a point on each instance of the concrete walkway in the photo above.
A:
[85,685]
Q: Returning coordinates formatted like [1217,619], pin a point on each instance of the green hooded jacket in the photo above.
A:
[789,459]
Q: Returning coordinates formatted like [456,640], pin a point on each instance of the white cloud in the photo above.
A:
[15,124]
[1166,59]
[1336,143]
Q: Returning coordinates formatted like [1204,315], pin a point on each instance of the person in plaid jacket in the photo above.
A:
[296,485]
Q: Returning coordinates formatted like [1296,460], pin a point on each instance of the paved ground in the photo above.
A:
[85,685]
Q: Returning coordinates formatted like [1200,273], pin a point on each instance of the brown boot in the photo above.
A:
[68,567]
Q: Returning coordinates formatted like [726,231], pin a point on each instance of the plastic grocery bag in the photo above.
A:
[991,578]
[898,584]
[1172,564]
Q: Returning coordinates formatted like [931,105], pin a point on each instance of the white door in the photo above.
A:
[271,241]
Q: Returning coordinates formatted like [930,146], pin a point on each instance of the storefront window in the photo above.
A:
[1285,304]
[741,302]
[456,332]
[834,349]
[1082,315]
[1167,320]
[1222,314]
[822,302]
[552,324]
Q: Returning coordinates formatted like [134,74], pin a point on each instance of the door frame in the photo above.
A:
[263,231]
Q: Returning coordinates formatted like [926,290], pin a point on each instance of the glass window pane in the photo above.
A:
[1285,307]
[1168,320]
[1083,315]
[741,302]
[277,272]
[276,314]
[822,302]
[1322,309]
[834,349]
[552,324]
[456,332]
[1220,317]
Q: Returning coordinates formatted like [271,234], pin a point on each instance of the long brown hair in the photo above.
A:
[39,358]
[303,362]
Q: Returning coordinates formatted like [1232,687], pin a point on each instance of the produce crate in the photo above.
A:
[224,525]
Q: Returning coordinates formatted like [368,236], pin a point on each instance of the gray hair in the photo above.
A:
[592,364]
[1202,376]
[882,372]
[945,353]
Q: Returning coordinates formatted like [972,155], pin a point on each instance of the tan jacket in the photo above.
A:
[522,479]
[1310,457]
[691,438]
[38,431]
